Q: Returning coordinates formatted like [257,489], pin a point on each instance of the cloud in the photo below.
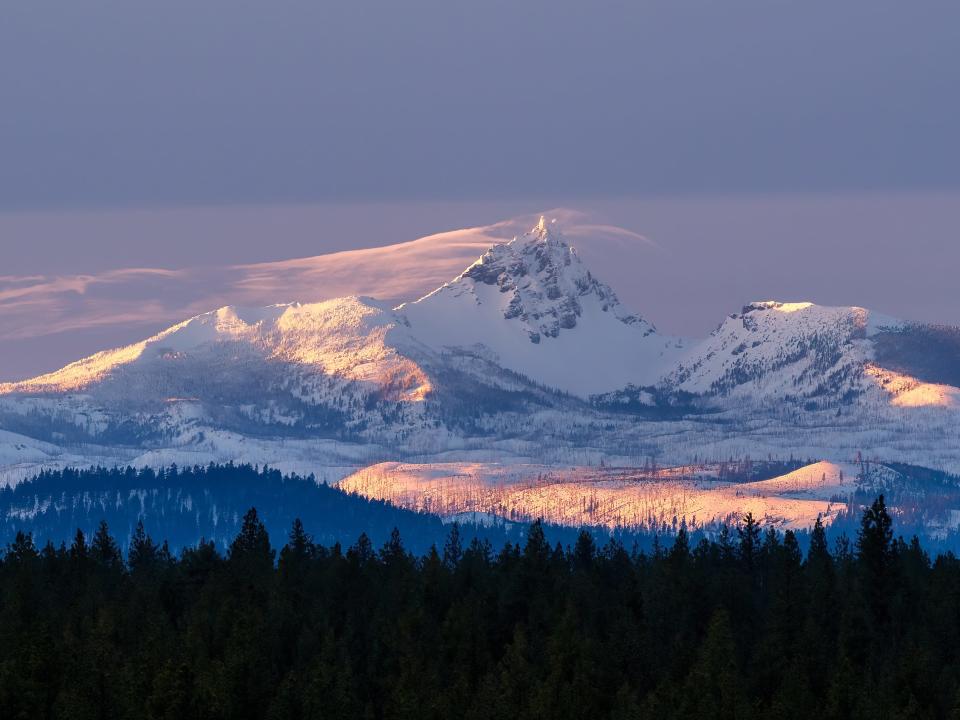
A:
[37,306]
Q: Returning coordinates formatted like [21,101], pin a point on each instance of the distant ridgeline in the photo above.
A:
[185,505]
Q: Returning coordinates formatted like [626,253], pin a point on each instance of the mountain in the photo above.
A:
[532,306]
[524,357]
[523,325]
[774,353]
[181,505]
[42,313]
[782,494]
[783,351]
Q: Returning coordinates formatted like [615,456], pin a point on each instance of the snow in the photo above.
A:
[611,497]
[425,384]
[345,338]
[909,392]
[772,350]
[534,307]
[821,480]
[530,306]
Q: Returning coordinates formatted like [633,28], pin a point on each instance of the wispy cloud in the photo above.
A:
[37,306]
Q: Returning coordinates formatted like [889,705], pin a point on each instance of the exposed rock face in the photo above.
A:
[546,281]
[524,354]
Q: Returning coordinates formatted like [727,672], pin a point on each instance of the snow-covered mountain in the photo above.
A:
[786,353]
[343,339]
[524,355]
[526,318]
[531,306]
[775,351]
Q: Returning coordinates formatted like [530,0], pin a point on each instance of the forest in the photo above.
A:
[751,623]
[208,502]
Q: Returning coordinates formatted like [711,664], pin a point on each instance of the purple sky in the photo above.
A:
[113,103]
[77,282]
[150,153]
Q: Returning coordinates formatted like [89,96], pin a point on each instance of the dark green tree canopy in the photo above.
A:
[744,628]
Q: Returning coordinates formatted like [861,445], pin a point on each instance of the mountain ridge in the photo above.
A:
[523,354]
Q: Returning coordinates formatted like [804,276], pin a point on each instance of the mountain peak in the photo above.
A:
[543,230]
[533,306]
[784,307]
[542,282]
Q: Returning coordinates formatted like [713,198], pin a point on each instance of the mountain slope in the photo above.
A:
[533,307]
[344,338]
[525,356]
[526,317]
[775,353]
[782,351]
[324,369]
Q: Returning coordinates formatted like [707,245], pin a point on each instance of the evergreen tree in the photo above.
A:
[875,553]
[537,630]
[143,552]
[584,551]
[749,533]
[875,539]
[537,549]
[78,550]
[253,542]
[819,551]
[299,547]
[22,550]
[452,549]
[250,556]
[362,552]
[713,687]
[104,549]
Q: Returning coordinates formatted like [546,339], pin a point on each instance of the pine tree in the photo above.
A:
[78,550]
[725,543]
[253,540]
[250,556]
[452,550]
[537,550]
[104,549]
[584,551]
[749,534]
[393,550]
[142,554]
[875,553]
[299,545]
[875,538]
[296,555]
[362,551]
[819,552]
[791,549]
[714,687]
[22,551]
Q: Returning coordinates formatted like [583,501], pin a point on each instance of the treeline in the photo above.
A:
[185,505]
[741,627]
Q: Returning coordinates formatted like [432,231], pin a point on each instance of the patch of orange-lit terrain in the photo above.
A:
[613,498]
[907,391]
[79,375]
[814,479]
[346,338]
[791,307]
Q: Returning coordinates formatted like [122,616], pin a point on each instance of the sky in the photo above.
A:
[757,148]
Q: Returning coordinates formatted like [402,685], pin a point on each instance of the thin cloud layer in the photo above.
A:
[36,307]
